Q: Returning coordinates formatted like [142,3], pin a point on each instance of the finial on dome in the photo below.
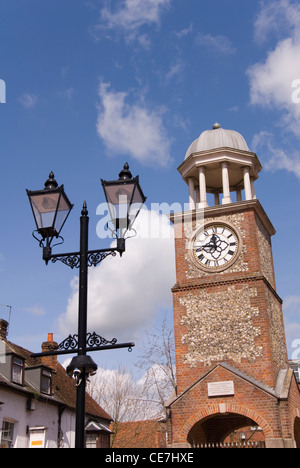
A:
[216,125]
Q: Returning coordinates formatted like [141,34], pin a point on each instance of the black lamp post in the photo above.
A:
[50,208]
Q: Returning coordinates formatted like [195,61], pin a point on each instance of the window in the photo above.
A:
[46,382]
[7,434]
[296,369]
[91,440]
[17,371]
[97,440]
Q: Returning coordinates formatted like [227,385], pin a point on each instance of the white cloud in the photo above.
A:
[36,310]
[292,330]
[125,293]
[28,100]
[275,157]
[175,70]
[132,129]
[122,397]
[132,14]
[277,18]
[275,81]
[272,80]
[218,43]
[291,307]
[129,16]
[185,32]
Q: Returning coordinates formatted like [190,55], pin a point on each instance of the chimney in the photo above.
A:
[3,329]
[49,345]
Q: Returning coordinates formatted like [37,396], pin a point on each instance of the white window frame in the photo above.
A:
[7,434]
[17,370]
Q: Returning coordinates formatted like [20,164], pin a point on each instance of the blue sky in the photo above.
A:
[92,84]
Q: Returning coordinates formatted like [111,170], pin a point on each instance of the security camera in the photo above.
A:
[76,376]
[76,373]
[81,366]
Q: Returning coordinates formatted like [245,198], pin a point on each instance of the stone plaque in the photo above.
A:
[220,388]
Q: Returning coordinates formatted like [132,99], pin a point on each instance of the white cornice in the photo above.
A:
[219,210]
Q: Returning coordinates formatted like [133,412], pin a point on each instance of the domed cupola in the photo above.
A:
[219,162]
[218,137]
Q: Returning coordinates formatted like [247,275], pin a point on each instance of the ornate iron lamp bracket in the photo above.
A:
[92,341]
[94,257]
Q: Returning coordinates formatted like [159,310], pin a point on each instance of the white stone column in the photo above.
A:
[191,193]
[252,187]
[197,195]
[225,181]
[202,187]
[217,198]
[239,194]
[247,183]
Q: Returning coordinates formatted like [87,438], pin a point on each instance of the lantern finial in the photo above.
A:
[51,182]
[125,173]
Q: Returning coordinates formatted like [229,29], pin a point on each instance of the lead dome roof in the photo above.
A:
[218,137]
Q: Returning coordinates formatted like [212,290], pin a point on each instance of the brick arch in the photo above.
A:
[214,410]
[297,431]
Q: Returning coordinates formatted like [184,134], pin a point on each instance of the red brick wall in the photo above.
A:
[248,401]
[264,368]
[256,275]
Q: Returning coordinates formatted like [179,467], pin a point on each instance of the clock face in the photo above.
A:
[216,246]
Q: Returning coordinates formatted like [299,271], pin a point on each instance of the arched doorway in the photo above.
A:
[230,430]
[297,432]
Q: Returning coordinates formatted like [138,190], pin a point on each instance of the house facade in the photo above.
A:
[38,402]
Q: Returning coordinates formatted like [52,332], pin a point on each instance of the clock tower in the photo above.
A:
[231,357]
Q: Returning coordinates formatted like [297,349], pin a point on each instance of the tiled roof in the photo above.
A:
[139,434]
[63,386]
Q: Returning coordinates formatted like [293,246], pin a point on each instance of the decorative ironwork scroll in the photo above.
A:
[94,257]
[71,342]
[92,341]
[73,261]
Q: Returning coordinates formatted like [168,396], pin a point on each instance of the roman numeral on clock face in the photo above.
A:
[215,246]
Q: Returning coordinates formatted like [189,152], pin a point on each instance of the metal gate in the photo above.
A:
[249,444]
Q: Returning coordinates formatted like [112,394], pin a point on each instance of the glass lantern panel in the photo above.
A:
[62,213]
[137,203]
[119,194]
[138,196]
[119,197]
[44,208]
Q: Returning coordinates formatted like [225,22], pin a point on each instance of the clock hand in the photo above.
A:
[214,239]
[206,246]
[211,245]
[213,242]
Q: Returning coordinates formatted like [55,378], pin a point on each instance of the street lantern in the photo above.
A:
[125,199]
[50,208]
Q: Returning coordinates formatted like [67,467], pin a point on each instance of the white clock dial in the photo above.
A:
[216,246]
